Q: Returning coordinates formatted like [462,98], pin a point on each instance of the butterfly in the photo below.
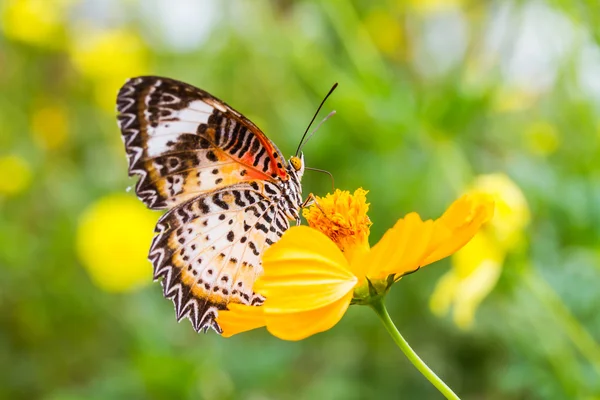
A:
[228,191]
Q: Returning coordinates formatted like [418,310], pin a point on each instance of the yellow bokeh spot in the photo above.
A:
[542,138]
[109,58]
[434,6]
[508,101]
[387,33]
[465,292]
[15,175]
[479,250]
[38,22]
[113,239]
[49,125]
[475,272]
[512,211]
[105,93]
[108,54]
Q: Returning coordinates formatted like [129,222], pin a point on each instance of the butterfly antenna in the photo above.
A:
[315,116]
[331,114]
[325,172]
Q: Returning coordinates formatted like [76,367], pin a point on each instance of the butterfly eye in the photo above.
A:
[296,163]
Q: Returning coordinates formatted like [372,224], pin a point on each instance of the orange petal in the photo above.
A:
[240,318]
[459,224]
[402,249]
[303,271]
[300,325]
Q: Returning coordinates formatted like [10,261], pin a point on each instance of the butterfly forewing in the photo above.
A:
[182,142]
[228,191]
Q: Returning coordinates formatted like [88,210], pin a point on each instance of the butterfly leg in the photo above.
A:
[310,200]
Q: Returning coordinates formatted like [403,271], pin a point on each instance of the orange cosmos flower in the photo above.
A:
[314,273]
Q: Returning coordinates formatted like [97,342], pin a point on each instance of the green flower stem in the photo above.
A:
[381,311]
[578,334]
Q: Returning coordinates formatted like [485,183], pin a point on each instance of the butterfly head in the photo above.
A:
[297,164]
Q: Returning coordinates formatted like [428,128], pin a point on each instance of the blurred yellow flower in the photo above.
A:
[512,211]
[108,58]
[387,33]
[49,125]
[515,100]
[37,22]
[542,138]
[433,6]
[477,267]
[112,241]
[15,175]
[310,279]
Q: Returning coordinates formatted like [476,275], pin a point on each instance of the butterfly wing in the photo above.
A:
[221,179]
[208,250]
[183,142]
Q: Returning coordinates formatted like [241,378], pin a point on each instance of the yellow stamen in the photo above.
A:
[343,218]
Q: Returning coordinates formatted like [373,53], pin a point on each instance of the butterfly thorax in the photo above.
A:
[292,188]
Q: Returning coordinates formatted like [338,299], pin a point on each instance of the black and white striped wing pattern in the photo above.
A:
[228,191]
[181,141]
[208,250]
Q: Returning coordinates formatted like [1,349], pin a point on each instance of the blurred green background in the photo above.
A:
[433,94]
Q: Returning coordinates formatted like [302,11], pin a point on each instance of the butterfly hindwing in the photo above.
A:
[183,142]
[208,250]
